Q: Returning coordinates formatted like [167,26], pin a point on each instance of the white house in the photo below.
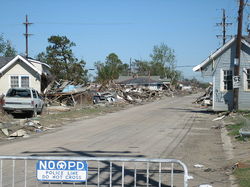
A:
[22,72]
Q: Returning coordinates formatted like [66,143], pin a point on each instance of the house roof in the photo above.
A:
[6,62]
[219,51]
[140,80]
[123,78]
[38,62]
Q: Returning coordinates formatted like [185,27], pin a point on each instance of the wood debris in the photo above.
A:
[67,93]
[207,98]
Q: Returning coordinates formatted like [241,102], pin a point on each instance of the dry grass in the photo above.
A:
[61,118]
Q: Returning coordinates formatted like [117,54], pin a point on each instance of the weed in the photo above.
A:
[234,129]
[242,175]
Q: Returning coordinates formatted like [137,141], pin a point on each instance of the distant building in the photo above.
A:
[220,66]
[151,82]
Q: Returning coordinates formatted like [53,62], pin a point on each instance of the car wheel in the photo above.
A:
[41,111]
[30,114]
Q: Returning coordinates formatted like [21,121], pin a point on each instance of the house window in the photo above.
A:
[14,81]
[24,81]
[228,79]
[19,81]
[248,78]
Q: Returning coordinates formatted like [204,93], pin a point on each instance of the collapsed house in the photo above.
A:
[68,93]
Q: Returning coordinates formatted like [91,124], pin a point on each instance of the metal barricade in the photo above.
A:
[21,171]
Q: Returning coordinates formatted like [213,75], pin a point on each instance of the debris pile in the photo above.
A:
[207,98]
[129,94]
[20,128]
[67,93]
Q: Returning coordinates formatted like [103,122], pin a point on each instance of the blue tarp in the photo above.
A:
[69,88]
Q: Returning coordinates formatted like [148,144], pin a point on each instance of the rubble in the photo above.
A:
[207,98]
[129,94]
[19,133]
[67,93]
[198,166]
[219,118]
[240,165]
[20,128]
[5,131]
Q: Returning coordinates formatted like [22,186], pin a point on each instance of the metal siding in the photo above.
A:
[222,99]
[244,96]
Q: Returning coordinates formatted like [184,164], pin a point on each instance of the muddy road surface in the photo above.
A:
[168,128]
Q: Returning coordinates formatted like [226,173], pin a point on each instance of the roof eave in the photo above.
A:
[215,54]
[39,62]
[24,60]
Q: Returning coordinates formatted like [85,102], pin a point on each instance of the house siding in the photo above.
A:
[244,96]
[19,69]
[223,59]
[222,99]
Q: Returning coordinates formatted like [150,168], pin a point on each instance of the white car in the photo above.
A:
[23,100]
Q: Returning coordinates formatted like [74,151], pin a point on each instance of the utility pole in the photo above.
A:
[223,24]
[237,57]
[27,23]
[248,18]
[130,67]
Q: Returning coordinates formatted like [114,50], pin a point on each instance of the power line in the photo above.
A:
[223,24]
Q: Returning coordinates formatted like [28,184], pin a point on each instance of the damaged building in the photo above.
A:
[220,66]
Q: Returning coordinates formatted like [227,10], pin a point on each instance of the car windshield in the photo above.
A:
[18,93]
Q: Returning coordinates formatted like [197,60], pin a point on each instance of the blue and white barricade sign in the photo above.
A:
[62,170]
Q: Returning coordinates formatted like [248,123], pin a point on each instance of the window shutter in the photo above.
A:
[221,82]
[244,81]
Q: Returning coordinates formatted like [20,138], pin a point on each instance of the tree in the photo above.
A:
[9,50]
[6,48]
[64,65]
[110,69]
[163,61]
[142,68]
[162,64]
[163,55]
[103,73]
[2,44]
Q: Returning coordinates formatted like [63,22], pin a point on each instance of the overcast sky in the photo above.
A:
[129,28]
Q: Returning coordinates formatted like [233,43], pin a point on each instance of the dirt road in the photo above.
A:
[169,128]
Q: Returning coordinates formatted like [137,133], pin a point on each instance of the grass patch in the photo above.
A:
[243,176]
[234,129]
